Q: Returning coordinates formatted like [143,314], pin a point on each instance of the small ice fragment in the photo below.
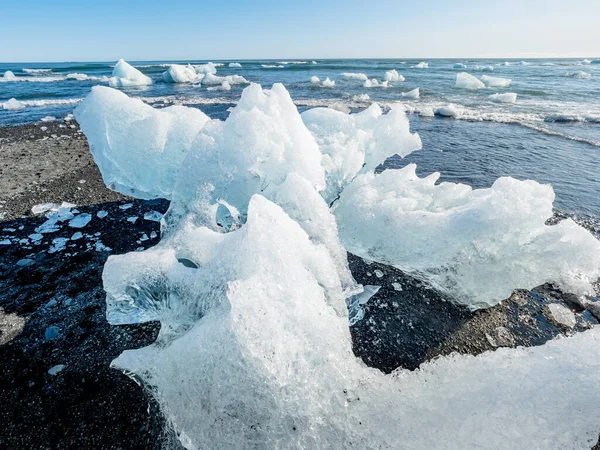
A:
[465,80]
[36,237]
[43,128]
[126,206]
[24,262]
[102,214]
[5,242]
[13,105]
[132,219]
[51,333]
[42,208]
[446,111]
[234,64]
[421,65]
[495,81]
[412,95]
[562,315]
[328,83]
[378,273]
[100,247]
[125,75]
[48,119]
[356,302]
[77,236]
[52,303]
[154,216]
[397,286]
[80,221]
[58,245]
[354,76]
[153,235]
[393,75]
[508,97]
[459,66]
[143,238]
[54,370]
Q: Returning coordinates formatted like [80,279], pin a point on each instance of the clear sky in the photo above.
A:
[61,30]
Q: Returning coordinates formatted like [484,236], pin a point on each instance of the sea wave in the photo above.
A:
[36,70]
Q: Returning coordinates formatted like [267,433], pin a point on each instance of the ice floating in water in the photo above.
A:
[373,82]
[234,64]
[325,83]
[328,83]
[508,97]
[124,133]
[474,245]
[206,68]
[586,61]
[315,80]
[465,80]
[125,75]
[211,79]
[356,143]
[483,68]
[181,74]
[354,76]
[393,75]
[459,66]
[9,76]
[361,98]
[447,111]
[13,105]
[421,65]
[413,95]
[495,81]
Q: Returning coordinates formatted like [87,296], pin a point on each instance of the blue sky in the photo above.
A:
[59,30]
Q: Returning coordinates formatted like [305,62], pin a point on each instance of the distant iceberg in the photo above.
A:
[9,76]
[465,80]
[478,68]
[373,82]
[328,83]
[314,80]
[421,65]
[354,76]
[446,111]
[125,75]
[393,75]
[181,74]
[207,68]
[459,66]
[508,97]
[235,64]
[495,81]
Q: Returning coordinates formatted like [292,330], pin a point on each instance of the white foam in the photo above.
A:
[37,70]
[328,83]
[212,80]
[447,111]
[579,74]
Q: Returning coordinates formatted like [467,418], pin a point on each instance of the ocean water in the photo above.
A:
[551,134]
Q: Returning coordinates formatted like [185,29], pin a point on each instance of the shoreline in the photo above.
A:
[87,404]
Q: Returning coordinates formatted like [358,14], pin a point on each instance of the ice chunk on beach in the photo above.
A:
[459,66]
[125,75]
[266,124]
[137,148]
[80,220]
[356,143]
[234,64]
[562,315]
[508,97]
[465,80]
[393,75]
[181,74]
[328,83]
[495,81]
[354,76]
[412,95]
[421,65]
[13,105]
[9,76]
[474,245]
[253,353]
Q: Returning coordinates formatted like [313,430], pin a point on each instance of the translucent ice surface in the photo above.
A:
[475,246]
[353,143]
[138,148]
[495,81]
[393,75]
[354,76]
[411,95]
[125,75]
[508,97]
[13,105]
[465,80]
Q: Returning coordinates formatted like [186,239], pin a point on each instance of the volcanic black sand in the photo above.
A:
[52,308]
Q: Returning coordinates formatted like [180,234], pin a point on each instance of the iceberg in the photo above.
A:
[13,105]
[373,82]
[125,75]
[421,65]
[447,111]
[9,76]
[459,66]
[393,75]
[211,79]
[328,83]
[235,64]
[181,74]
[354,76]
[205,69]
[508,97]
[355,143]
[126,135]
[465,80]
[495,81]
[315,80]
[474,245]
[411,95]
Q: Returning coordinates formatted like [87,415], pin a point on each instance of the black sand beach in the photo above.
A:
[52,308]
